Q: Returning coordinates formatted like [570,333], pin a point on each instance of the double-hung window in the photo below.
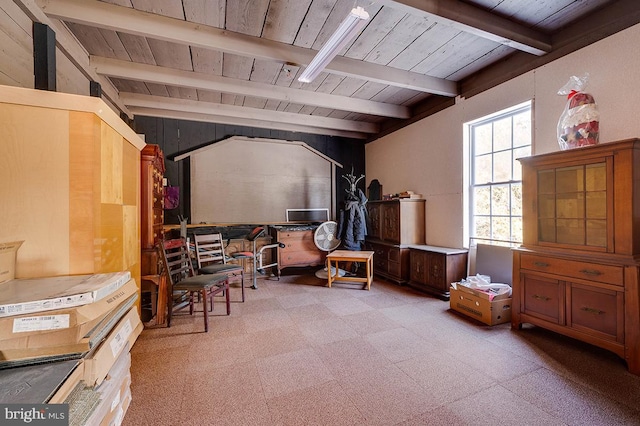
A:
[495,143]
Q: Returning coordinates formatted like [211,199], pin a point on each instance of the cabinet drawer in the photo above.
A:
[158,217]
[298,245]
[543,298]
[394,268]
[291,258]
[380,264]
[394,254]
[575,269]
[295,235]
[599,310]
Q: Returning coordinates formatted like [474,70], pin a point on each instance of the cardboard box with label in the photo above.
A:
[8,253]
[122,337]
[477,305]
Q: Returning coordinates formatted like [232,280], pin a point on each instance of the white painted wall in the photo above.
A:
[427,157]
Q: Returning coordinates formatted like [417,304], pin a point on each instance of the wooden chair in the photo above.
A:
[182,279]
[209,249]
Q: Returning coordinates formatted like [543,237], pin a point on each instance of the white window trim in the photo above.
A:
[467,152]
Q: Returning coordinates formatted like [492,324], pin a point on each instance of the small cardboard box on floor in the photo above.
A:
[476,304]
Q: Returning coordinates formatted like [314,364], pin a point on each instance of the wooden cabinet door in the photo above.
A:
[418,267]
[391,222]
[380,257]
[543,298]
[437,271]
[375,220]
[597,311]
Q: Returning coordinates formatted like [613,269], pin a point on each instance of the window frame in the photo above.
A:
[470,175]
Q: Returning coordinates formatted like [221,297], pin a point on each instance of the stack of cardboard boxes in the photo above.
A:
[74,334]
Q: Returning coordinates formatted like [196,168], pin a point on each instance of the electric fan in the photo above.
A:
[325,238]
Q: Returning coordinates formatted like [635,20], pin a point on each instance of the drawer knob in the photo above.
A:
[543,298]
[541,264]
[592,310]
[592,272]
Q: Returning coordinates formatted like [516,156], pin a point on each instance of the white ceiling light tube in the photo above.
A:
[352,25]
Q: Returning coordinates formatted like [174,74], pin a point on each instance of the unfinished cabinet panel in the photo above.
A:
[576,272]
[71,173]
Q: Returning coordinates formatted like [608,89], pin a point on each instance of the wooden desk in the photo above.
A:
[351,256]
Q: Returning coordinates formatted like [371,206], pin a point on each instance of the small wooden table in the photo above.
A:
[350,256]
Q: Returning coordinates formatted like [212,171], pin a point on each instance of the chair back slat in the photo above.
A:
[176,259]
[209,248]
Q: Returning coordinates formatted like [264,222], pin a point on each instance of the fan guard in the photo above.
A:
[326,239]
[325,236]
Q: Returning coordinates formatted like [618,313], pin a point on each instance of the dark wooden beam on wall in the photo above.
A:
[95,89]
[44,57]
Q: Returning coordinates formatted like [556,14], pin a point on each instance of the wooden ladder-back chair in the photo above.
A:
[182,279]
[209,249]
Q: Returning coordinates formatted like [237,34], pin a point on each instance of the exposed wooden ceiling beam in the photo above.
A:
[477,21]
[608,20]
[119,18]
[219,119]
[179,78]
[71,48]
[187,105]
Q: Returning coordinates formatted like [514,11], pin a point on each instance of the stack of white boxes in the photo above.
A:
[85,324]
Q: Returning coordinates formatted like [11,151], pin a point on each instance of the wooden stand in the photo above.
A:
[351,256]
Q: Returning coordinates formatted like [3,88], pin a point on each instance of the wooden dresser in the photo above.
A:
[394,225]
[577,271]
[433,269]
[299,250]
[151,223]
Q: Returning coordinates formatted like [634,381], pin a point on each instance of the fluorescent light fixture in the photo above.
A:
[352,25]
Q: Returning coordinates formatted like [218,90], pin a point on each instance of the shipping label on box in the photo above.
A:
[81,318]
[488,312]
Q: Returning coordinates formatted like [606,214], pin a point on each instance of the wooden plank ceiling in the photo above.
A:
[237,61]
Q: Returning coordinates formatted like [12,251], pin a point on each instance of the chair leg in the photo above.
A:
[169,306]
[242,283]
[205,311]
[226,286]
[191,301]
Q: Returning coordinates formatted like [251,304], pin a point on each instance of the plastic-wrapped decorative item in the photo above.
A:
[579,124]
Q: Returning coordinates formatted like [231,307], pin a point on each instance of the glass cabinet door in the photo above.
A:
[572,205]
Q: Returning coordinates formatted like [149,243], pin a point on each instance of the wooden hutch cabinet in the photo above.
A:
[433,269]
[151,205]
[577,270]
[151,226]
[394,225]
